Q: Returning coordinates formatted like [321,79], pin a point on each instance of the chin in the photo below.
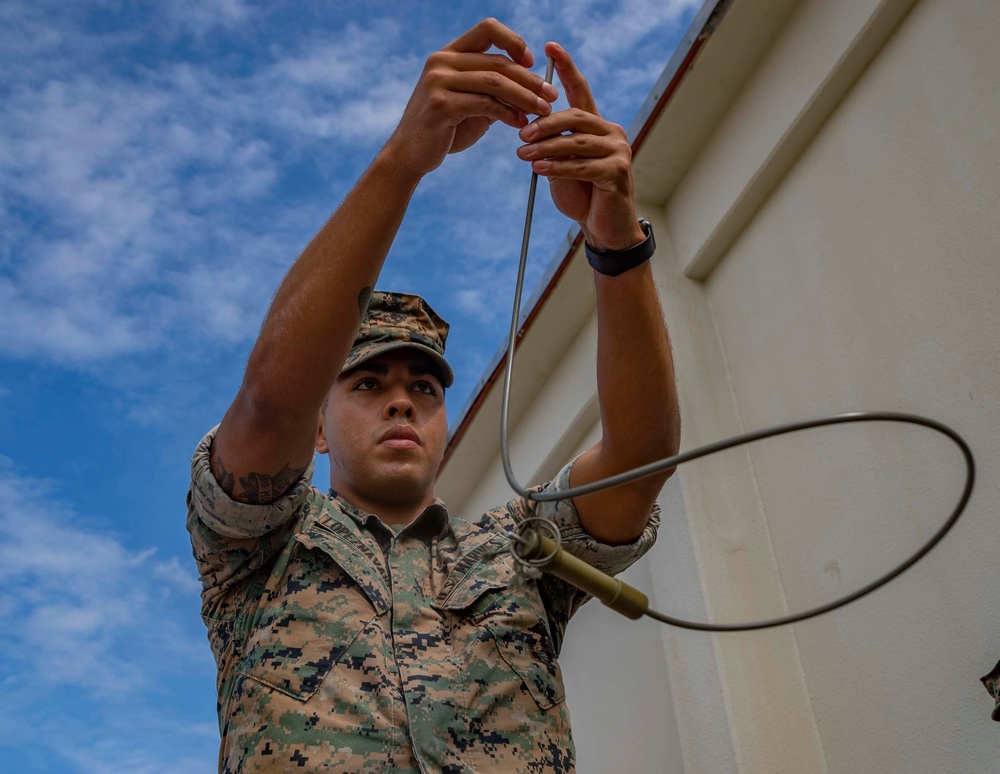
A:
[399,488]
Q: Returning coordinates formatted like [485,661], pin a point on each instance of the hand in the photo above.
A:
[587,160]
[463,91]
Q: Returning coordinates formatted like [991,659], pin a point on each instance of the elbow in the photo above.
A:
[268,406]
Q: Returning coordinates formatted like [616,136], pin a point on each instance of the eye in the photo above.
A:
[368,383]
[425,387]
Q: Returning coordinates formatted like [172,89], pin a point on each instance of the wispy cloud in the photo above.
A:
[153,197]
[87,616]
[615,44]
[129,186]
[200,17]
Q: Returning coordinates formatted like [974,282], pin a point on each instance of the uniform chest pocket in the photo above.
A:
[521,637]
[529,653]
[504,637]
[307,622]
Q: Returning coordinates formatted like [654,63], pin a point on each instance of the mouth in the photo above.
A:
[400,437]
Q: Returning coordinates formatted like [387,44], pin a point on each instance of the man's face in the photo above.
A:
[385,427]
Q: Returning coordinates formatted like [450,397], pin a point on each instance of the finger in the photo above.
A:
[574,120]
[490,32]
[586,146]
[577,89]
[464,106]
[496,86]
[504,66]
[610,173]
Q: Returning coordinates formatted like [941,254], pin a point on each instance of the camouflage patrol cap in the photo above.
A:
[395,320]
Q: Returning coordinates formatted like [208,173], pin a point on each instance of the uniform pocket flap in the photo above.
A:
[294,655]
[353,557]
[486,567]
[305,624]
[530,653]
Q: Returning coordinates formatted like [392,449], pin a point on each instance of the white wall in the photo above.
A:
[865,277]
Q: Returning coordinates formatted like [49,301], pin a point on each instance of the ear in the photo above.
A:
[321,445]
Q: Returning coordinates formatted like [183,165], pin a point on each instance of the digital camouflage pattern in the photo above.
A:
[345,647]
[395,320]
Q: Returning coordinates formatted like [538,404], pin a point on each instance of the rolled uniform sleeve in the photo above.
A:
[231,539]
[575,540]
[562,599]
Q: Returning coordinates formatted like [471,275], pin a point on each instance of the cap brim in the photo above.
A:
[447,375]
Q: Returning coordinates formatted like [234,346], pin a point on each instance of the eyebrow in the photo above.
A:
[378,369]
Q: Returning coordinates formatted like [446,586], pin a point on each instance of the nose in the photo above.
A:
[399,404]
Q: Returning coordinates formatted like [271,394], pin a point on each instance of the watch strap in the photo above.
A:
[615,262]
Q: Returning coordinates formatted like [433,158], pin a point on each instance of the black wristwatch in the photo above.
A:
[615,262]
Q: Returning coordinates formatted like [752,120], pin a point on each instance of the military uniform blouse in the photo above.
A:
[345,647]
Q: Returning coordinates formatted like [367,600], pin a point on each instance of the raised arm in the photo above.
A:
[588,163]
[266,438]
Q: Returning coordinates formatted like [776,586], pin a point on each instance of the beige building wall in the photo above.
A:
[825,187]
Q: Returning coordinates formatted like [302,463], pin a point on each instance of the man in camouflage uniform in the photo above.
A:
[366,629]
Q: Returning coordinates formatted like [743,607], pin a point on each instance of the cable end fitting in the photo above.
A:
[533,549]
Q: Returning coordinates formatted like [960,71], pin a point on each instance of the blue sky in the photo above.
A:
[161,165]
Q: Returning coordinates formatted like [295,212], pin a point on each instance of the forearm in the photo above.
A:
[267,436]
[310,327]
[635,372]
[639,408]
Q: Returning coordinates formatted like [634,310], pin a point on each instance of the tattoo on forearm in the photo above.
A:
[363,298]
[258,488]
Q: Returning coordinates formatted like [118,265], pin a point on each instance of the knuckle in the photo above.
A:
[491,107]
[622,148]
[502,63]
[433,76]
[621,166]
[493,80]
[438,100]
[437,59]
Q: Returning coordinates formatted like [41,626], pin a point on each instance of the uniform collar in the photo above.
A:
[433,519]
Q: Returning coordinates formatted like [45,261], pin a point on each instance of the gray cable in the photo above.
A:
[512,335]
[669,462]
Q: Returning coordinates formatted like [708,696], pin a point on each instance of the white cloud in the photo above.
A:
[202,16]
[81,596]
[85,614]
[147,217]
[611,42]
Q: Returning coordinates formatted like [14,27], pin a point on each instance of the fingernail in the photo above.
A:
[544,108]
[529,131]
[550,92]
